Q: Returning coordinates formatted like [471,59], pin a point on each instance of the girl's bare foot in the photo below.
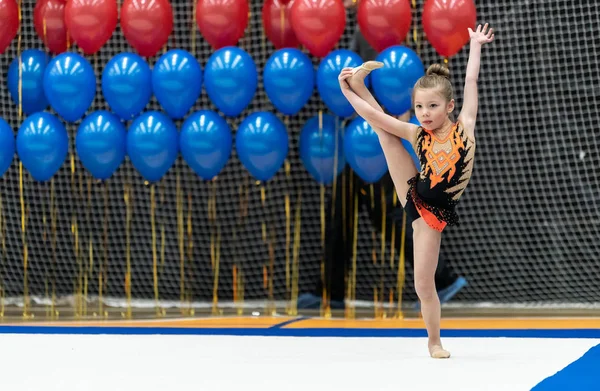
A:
[437,351]
[359,73]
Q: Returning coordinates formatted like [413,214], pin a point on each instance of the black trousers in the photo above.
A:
[339,239]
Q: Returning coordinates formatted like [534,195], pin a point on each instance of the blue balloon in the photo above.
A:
[322,149]
[393,84]
[42,145]
[328,84]
[152,144]
[7,146]
[70,85]
[126,85]
[33,65]
[289,80]
[100,144]
[205,141]
[363,151]
[409,147]
[177,82]
[231,80]
[262,144]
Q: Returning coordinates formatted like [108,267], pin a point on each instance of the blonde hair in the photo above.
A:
[437,76]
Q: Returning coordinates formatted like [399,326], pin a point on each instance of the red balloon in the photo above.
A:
[222,22]
[446,24]
[277,24]
[91,23]
[318,24]
[384,23]
[147,24]
[9,25]
[52,14]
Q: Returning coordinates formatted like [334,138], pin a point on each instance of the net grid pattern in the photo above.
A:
[529,220]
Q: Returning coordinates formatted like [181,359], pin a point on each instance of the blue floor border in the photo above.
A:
[280,331]
[581,375]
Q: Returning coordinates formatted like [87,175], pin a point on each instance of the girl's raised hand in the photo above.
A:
[482,36]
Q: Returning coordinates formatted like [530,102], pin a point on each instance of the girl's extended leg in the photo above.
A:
[400,163]
[427,243]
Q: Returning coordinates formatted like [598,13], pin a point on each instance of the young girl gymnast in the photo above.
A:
[446,152]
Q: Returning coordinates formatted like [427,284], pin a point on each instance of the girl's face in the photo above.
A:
[431,108]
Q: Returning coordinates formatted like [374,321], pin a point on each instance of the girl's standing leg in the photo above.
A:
[427,243]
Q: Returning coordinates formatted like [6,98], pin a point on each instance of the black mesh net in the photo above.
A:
[529,221]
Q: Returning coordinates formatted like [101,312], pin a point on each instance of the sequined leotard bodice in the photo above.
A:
[446,167]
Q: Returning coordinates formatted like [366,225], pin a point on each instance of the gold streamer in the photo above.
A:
[128,214]
[103,275]
[90,266]
[45,239]
[24,211]
[271,305]
[415,28]
[335,169]
[163,238]
[288,233]
[190,247]
[24,241]
[322,188]
[215,246]
[350,309]
[237,277]
[180,240]
[215,307]
[393,238]
[344,214]
[382,253]
[154,250]
[3,255]
[263,222]
[296,256]
[54,239]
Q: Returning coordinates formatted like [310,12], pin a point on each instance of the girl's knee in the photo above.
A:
[425,288]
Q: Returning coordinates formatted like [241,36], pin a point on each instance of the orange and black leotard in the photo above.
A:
[446,167]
